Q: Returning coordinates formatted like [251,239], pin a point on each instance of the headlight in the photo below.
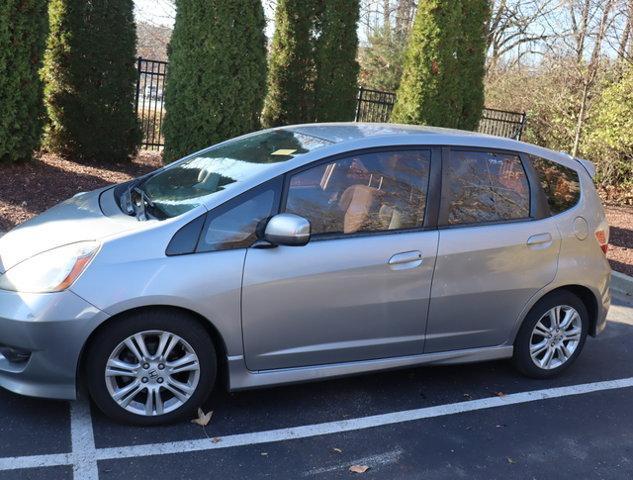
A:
[51,271]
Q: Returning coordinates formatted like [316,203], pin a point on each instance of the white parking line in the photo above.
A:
[85,455]
[83,442]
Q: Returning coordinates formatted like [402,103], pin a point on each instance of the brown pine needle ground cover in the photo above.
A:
[28,189]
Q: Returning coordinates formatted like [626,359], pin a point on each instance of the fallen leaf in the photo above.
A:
[358,468]
[203,418]
[337,450]
[500,394]
[216,439]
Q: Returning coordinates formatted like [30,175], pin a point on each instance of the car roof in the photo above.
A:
[353,135]
[349,131]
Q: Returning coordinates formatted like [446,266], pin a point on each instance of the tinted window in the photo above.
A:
[236,225]
[485,187]
[561,184]
[366,193]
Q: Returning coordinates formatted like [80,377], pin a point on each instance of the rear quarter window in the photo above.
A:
[560,184]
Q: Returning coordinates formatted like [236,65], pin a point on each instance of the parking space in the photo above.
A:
[475,421]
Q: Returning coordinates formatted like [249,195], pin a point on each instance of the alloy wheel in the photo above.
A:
[152,373]
[555,337]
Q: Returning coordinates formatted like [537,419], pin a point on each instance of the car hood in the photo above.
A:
[77,219]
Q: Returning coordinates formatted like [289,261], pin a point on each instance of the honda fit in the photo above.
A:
[304,253]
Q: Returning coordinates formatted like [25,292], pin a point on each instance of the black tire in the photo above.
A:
[105,342]
[522,358]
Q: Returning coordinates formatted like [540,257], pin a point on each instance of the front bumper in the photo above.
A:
[53,328]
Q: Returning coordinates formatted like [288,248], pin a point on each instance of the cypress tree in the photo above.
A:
[216,81]
[337,68]
[430,91]
[90,78]
[23,27]
[472,59]
[292,69]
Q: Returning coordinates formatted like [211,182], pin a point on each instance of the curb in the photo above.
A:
[622,283]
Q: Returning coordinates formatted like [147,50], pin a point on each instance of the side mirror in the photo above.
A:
[288,229]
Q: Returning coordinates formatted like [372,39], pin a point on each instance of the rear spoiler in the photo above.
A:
[589,166]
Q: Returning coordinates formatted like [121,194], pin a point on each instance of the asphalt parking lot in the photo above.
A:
[475,421]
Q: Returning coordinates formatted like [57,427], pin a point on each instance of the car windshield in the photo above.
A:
[186,185]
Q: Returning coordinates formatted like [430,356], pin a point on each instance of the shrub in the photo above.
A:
[23,27]
[430,92]
[90,78]
[216,81]
[292,70]
[472,59]
[337,69]
[610,139]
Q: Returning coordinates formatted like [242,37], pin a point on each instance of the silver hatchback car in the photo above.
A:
[303,253]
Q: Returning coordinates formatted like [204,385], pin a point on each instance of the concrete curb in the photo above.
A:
[622,283]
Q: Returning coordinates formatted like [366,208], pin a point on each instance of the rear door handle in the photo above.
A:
[410,259]
[541,240]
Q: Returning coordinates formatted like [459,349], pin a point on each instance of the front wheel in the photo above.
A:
[552,335]
[151,368]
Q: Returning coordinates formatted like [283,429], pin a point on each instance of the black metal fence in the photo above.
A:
[376,106]
[371,106]
[150,89]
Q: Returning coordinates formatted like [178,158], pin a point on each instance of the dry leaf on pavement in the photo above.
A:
[358,468]
[203,418]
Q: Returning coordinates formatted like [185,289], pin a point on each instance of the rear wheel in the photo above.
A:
[152,367]
[552,335]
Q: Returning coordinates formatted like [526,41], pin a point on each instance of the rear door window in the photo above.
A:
[560,184]
[484,187]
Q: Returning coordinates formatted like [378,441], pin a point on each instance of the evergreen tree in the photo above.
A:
[292,69]
[90,78]
[430,92]
[381,59]
[472,59]
[216,80]
[23,27]
[336,66]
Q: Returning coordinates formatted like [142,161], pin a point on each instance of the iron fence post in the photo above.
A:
[359,100]
[138,84]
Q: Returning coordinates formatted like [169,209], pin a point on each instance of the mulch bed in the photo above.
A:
[620,253]
[30,188]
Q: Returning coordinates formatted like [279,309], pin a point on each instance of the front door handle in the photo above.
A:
[402,260]
[539,241]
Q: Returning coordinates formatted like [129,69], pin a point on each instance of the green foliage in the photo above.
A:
[337,69]
[90,76]
[431,89]
[381,60]
[292,70]
[472,59]
[23,28]
[216,80]
[313,69]
[610,138]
